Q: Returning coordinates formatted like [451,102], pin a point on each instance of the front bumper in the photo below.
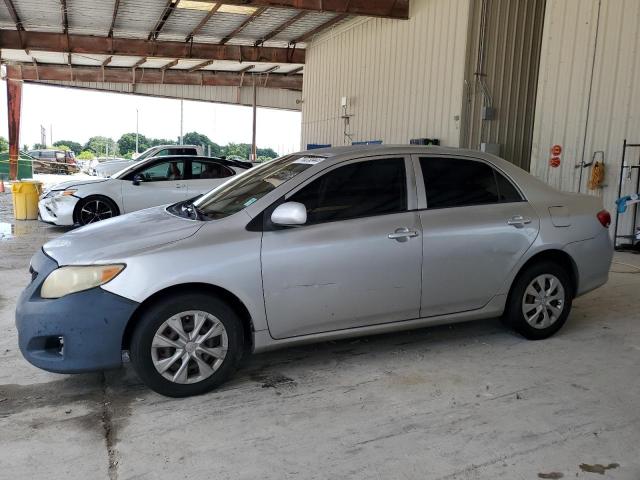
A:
[81,332]
[58,210]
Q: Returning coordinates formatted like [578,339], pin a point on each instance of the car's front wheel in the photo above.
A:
[94,209]
[186,345]
[540,301]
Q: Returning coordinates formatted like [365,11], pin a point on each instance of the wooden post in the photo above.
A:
[14,103]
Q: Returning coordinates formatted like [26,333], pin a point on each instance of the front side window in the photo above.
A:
[204,170]
[362,189]
[163,171]
[454,182]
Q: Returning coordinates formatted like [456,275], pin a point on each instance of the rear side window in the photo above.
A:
[362,189]
[454,182]
[204,170]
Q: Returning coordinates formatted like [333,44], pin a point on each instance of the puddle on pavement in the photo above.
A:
[6,230]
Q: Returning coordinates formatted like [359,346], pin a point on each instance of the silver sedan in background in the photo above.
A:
[318,245]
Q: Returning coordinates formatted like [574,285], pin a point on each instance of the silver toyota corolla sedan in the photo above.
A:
[319,245]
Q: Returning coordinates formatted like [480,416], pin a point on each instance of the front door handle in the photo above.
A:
[518,221]
[402,234]
[181,185]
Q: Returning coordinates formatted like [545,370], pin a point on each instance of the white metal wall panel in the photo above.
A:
[563,94]
[403,79]
[267,97]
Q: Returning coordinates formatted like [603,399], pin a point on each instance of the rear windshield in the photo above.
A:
[251,186]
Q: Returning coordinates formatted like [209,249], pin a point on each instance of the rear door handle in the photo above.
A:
[402,234]
[518,221]
[181,185]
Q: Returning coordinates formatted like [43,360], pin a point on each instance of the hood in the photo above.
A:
[120,237]
[74,183]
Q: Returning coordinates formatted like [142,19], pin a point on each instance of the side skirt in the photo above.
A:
[263,342]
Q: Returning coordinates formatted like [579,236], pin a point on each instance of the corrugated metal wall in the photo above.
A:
[403,79]
[510,60]
[266,97]
[564,100]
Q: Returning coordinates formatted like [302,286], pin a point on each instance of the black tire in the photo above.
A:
[82,218]
[514,316]
[152,319]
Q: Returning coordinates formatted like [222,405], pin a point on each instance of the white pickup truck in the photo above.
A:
[106,169]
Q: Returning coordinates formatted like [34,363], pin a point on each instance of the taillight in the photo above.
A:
[604,218]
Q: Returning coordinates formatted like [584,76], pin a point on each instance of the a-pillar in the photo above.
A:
[14,103]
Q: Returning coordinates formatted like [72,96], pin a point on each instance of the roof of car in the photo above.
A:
[393,149]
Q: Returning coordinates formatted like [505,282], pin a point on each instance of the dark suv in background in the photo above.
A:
[54,161]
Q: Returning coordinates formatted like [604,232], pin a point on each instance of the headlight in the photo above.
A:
[66,280]
[61,193]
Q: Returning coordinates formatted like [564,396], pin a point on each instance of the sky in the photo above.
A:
[78,114]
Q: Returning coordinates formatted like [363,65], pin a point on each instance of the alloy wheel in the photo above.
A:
[94,211]
[189,347]
[543,301]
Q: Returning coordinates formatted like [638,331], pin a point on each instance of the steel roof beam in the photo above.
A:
[14,14]
[29,72]
[243,25]
[202,23]
[320,28]
[116,5]
[398,9]
[86,44]
[280,28]
[166,13]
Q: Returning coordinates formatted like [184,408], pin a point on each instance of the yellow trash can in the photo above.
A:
[25,199]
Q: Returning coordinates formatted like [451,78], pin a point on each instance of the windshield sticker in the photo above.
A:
[250,201]
[310,160]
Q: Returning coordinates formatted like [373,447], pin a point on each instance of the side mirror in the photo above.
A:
[289,213]
[137,179]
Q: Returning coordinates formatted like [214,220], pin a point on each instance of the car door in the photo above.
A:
[161,182]
[476,227]
[357,260]
[206,175]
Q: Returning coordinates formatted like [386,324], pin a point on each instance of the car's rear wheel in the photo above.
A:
[94,209]
[187,345]
[540,301]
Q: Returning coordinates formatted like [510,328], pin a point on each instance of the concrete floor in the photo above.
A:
[468,401]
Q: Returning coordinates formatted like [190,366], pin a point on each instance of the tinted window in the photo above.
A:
[506,190]
[163,171]
[204,170]
[453,182]
[361,189]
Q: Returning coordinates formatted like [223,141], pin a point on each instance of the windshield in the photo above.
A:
[248,188]
[144,154]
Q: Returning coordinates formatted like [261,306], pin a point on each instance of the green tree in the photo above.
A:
[73,146]
[266,152]
[242,150]
[86,155]
[127,143]
[4,144]
[98,145]
[195,138]
[62,147]
[25,147]
[154,142]
[39,146]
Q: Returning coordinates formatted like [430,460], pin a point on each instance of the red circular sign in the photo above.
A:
[556,150]
[554,162]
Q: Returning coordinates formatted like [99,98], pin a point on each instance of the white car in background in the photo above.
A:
[89,166]
[150,182]
[110,167]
